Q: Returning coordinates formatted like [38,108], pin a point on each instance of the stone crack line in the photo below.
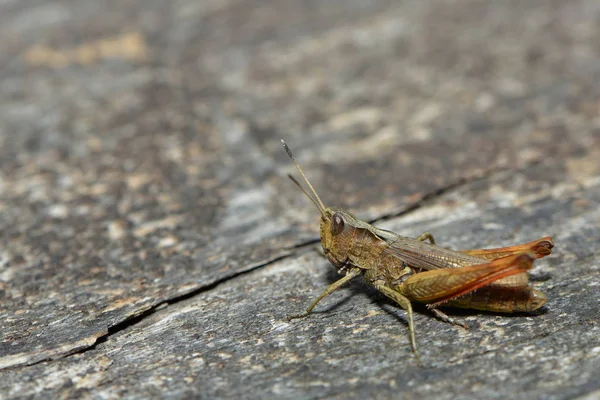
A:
[136,318]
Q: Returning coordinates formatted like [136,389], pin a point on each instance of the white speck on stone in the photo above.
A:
[116,230]
[167,241]
[59,211]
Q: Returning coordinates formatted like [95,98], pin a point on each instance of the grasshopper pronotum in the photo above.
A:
[410,270]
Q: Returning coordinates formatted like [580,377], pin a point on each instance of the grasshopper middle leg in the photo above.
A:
[404,302]
[426,236]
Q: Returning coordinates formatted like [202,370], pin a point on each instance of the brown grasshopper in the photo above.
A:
[410,270]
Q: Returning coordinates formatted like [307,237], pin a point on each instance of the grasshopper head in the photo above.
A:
[337,228]
[337,225]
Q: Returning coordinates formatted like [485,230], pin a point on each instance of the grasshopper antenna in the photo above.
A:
[306,193]
[316,199]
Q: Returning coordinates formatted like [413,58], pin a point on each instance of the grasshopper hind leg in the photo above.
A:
[446,318]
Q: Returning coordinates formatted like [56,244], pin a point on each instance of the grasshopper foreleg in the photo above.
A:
[330,289]
[404,302]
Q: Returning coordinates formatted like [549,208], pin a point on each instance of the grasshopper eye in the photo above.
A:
[337,224]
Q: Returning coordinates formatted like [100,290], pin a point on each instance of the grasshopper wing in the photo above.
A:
[540,247]
[423,256]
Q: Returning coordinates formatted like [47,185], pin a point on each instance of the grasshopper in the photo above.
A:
[408,270]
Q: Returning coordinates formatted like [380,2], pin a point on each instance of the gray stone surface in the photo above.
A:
[152,246]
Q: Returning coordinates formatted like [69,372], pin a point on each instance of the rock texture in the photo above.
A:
[152,246]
